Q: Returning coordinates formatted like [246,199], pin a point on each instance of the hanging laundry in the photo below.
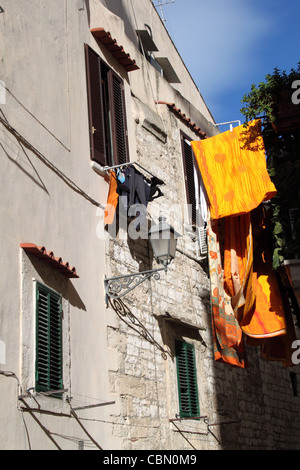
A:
[200,199]
[262,312]
[234,172]
[280,348]
[136,187]
[271,327]
[247,303]
[123,185]
[112,199]
[203,202]
[238,266]
[134,191]
[227,333]
[268,319]
[155,192]
[139,192]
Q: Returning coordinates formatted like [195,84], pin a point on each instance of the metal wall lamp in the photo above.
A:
[163,240]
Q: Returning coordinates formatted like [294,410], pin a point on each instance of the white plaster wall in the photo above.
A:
[51,198]
[135,15]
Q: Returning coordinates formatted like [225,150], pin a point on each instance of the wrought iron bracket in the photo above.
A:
[117,287]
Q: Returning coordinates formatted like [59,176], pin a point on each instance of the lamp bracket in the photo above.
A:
[117,287]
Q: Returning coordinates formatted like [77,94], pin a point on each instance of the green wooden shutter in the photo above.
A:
[187,379]
[48,339]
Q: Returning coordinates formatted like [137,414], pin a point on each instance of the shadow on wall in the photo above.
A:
[28,166]
[116,7]
[140,248]
[58,282]
[88,11]
[260,399]
[126,315]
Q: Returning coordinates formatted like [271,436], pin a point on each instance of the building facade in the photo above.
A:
[87,85]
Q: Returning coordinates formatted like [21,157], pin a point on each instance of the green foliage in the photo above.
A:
[283,160]
[263,99]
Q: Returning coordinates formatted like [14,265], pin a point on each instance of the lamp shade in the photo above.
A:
[163,239]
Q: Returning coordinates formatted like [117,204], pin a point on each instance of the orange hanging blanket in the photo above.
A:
[269,318]
[238,266]
[112,200]
[234,171]
[251,283]
[227,333]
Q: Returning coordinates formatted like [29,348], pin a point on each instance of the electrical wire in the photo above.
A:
[65,178]
[13,375]
[34,117]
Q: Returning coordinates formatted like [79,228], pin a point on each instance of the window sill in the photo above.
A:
[46,404]
[192,425]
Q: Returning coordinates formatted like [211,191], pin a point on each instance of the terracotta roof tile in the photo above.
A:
[184,118]
[117,51]
[48,257]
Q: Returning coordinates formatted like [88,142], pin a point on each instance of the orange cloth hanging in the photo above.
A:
[234,171]
[227,333]
[268,319]
[112,200]
[252,283]
[238,266]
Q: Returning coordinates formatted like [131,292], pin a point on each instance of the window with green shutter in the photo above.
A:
[48,340]
[187,380]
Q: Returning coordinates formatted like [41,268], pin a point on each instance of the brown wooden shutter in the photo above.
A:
[95,104]
[118,119]
[189,165]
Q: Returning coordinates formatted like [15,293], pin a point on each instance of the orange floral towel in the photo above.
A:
[234,171]
[227,334]
[112,200]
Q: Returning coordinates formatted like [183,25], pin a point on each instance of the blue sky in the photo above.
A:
[228,45]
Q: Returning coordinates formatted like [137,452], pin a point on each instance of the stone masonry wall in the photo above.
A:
[256,406]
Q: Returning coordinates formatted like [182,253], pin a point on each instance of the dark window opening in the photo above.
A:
[294,383]
[190,167]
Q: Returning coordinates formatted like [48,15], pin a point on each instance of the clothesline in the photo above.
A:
[135,190]
[226,123]
[107,168]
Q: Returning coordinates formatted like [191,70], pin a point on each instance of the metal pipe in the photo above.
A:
[94,406]
[106,168]
[229,122]
[183,419]
[73,413]
[223,422]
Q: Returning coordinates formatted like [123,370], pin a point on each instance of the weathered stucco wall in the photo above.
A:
[51,198]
